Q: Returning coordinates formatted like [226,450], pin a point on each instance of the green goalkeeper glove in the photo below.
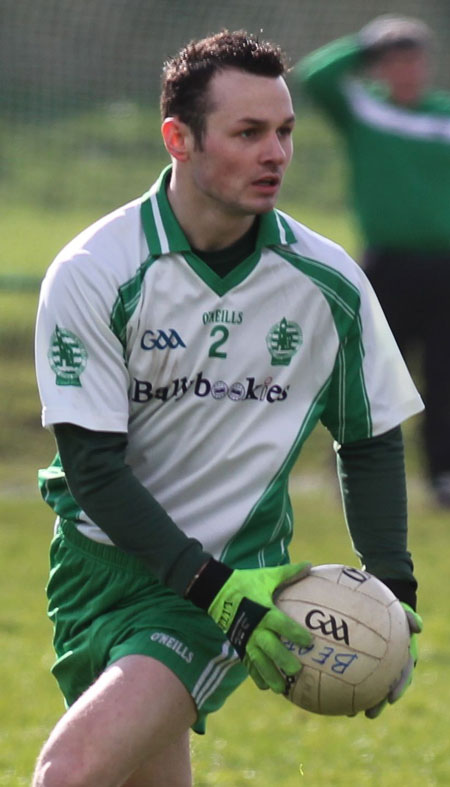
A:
[405,679]
[241,603]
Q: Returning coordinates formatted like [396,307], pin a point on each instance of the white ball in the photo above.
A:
[361,639]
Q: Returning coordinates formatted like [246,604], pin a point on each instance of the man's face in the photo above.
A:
[247,143]
[405,71]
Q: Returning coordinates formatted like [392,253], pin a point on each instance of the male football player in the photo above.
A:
[186,346]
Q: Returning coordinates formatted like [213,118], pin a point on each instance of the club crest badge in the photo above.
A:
[67,356]
[283,341]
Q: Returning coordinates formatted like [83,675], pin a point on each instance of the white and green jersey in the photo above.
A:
[217,381]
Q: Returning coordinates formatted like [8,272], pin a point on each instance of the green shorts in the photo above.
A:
[104,605]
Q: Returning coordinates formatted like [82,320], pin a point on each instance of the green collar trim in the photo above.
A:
[162,231]
[165,236]
[221,285]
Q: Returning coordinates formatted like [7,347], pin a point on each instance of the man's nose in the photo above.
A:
[274,150]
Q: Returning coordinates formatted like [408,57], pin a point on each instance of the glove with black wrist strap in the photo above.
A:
[241,602]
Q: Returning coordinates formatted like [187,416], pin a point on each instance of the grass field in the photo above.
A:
[257,738]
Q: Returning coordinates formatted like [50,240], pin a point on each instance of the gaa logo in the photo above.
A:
[161,340]
[67,357]
[317,619]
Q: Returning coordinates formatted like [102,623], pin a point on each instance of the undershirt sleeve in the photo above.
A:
[373,485]
[105,487]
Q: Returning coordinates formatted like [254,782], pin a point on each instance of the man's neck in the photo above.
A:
[206,226]
[223,261]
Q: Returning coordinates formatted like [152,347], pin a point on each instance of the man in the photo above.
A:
[373,86]
[186,346]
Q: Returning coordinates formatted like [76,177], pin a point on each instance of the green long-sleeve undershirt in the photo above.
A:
[373,485]
[104,486]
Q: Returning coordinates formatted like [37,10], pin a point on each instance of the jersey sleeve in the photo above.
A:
[81,370]
[321,75]
[371,390]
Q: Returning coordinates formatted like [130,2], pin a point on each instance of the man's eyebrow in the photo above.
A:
[261,122]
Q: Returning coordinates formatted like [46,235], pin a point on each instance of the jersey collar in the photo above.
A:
[165,236]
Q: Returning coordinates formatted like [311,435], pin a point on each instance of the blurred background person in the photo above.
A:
[374,86]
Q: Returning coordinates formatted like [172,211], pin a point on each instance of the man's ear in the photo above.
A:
[177,138]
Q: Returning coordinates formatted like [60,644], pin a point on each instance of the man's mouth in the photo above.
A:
[268,182]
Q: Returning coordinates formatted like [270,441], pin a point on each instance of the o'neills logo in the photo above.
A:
[144,391]
[180,648]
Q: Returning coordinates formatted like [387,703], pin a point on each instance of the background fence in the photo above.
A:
[79,135]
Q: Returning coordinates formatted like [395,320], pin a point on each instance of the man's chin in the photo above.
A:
[263,206]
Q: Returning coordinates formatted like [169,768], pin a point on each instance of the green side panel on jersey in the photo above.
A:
[270,522]
[127,300]
[54,490]
[341,294]
[348,392]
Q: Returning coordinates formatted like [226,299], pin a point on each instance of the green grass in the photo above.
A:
[34,234]
[29,704]
[257,738]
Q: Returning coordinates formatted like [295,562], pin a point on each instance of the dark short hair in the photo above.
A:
[186,76]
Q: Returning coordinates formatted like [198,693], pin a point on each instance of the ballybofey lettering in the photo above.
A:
[144,391]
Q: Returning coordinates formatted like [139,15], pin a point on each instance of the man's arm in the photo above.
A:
[322,72]
[373,485]
[105,487]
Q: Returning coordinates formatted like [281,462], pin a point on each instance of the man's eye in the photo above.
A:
[285,131]
[248,132]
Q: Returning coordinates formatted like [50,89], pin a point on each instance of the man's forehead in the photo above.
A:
[239,90]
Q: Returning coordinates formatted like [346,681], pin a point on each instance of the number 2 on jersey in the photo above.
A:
[223,333]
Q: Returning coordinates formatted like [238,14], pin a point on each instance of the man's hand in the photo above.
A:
[241,603]
[398,690]
[245,611]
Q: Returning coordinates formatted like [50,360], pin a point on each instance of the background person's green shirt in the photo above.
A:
[399,157]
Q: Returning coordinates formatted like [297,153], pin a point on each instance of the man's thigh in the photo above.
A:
[125,725]
[171,767]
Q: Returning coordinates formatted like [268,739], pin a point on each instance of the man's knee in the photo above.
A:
[61,769]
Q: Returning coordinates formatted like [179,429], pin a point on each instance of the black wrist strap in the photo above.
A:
[404,590]
[206,586]
[247,617]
